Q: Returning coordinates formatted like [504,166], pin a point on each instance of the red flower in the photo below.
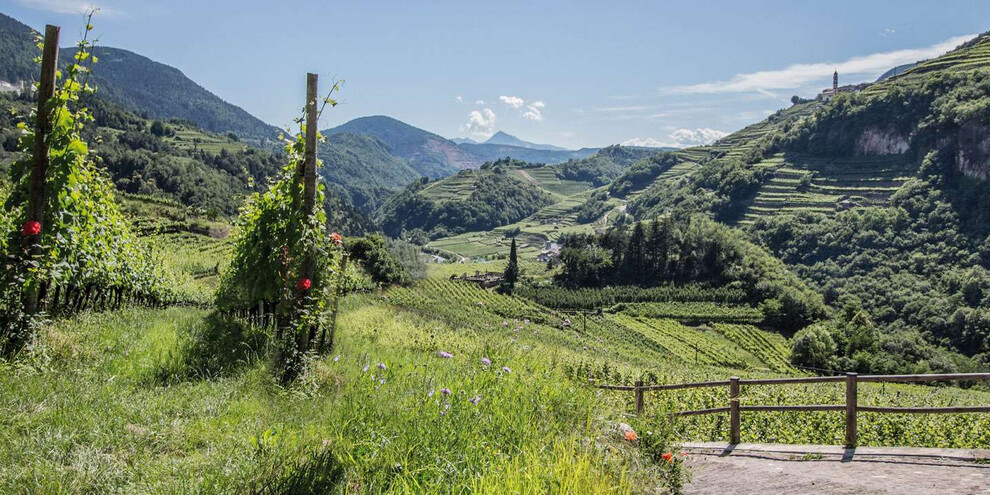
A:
[31,227]
[631,436]
[667,456]
[336,238]
[304,284]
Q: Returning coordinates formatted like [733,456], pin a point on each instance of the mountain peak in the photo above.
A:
[506,139]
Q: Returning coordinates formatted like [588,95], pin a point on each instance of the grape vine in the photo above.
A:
[88,257]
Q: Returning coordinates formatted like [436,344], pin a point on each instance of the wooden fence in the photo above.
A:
[851,407]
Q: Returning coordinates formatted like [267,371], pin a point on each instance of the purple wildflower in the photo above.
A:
[365,369]
[475,400]
[506,369]
[485,361]
[336,358]
[381,380]
[430,393]
[382,366]
[445,354]
[445,391]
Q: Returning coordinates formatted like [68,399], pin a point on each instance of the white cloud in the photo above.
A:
[480,122]
[459,98]
[479,102]
[533,111]
[680,138]
[62,6]
[802,75]
[512,101]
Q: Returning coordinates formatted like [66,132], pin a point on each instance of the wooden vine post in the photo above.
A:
[39,170]
[307,174]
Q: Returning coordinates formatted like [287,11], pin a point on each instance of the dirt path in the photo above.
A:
[527,176]
[823,470]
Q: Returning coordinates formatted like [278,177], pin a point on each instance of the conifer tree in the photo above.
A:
[511,270]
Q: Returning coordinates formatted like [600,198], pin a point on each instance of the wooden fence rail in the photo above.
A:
[851,406]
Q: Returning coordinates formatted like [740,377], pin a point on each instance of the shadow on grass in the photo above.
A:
[218,347]
[313,473]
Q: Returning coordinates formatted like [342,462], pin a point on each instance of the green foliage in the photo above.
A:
[697,250]
[814,348]
[86,243]
[642,173]
[495,199]
[373,254]
[275,241]
[602,167]
[598,298]
[718,188]
[511,275]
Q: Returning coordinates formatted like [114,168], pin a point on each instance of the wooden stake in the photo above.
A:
[639,398]
[734,420]
[851,406]
[43,127]
[308,176]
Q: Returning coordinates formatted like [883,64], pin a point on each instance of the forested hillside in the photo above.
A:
[16,49]
[429,154]
[877,199]
[480,200]
[157,91]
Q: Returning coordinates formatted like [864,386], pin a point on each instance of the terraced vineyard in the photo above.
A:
[769,347]
[827,185]
[687,344]
[692,312]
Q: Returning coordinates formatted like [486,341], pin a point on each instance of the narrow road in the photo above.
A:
[752,469]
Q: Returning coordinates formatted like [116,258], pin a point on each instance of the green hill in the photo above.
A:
[158,91]
[364,167]
[428,154]
[877,199]
[17,51]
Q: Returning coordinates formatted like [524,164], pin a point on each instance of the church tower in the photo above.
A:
[835,83]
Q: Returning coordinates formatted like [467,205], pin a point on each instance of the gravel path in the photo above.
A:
[774,469]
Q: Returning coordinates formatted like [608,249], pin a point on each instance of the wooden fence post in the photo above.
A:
[734,410]
[39,171]
[851,405]
[639,397]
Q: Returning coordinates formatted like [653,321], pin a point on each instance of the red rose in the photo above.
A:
[336,238]
[667,456]
[31,227]
[304,284]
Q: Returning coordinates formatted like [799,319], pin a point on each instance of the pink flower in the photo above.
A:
[304,284]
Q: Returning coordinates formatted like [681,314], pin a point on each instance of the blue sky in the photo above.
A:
[568,73]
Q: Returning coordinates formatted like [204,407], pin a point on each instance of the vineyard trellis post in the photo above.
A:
[39,169]
[308,176]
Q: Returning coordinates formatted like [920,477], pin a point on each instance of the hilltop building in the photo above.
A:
[829,93]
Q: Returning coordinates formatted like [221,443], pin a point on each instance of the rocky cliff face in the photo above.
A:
[881,141]
[973,151]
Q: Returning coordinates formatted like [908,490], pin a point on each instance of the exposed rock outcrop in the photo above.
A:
[881,141]
[973,151]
